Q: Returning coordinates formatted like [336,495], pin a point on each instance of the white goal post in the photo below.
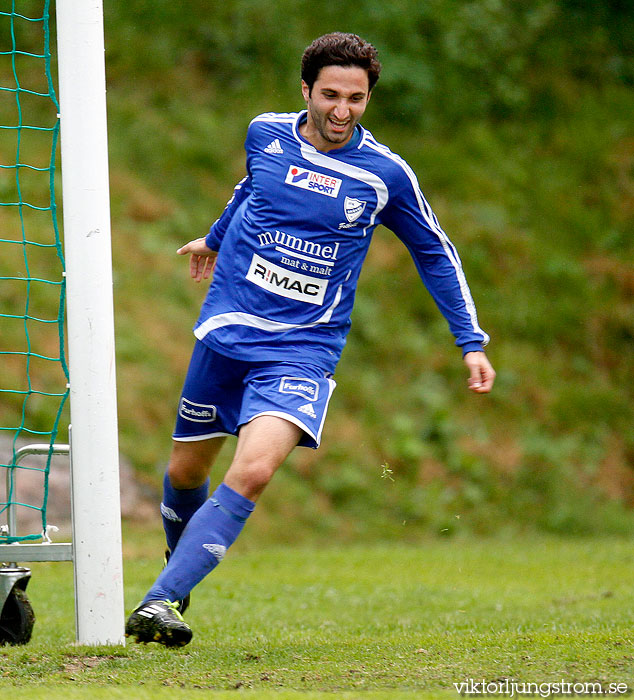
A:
[96,510]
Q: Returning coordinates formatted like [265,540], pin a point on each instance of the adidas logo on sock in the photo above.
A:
[170,514]
[308,410]
[216,550]
[274,147]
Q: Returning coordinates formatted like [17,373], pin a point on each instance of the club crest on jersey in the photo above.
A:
[353,208]
[312,181]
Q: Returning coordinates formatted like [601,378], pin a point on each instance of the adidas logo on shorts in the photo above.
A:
[274,147]
[308,410]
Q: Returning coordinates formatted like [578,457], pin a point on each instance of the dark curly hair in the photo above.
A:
[340,49]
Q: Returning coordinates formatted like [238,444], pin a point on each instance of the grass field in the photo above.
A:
[382,621]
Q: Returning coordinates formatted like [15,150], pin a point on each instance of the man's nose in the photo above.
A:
[342,110]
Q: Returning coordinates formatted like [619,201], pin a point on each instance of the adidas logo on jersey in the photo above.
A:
[274,147]
[308,410]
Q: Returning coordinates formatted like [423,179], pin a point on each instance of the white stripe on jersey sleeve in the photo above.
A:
[432,222]
[277,117]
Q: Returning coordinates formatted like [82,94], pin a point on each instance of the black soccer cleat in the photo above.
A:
[158,621]
[183,604]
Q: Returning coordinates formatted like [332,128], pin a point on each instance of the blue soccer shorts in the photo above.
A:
[221,394]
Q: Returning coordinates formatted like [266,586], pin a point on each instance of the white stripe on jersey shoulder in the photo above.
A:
[312,155]
[432,222]
[276,117]
[365,136]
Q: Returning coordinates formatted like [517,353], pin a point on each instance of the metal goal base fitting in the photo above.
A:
[16,613]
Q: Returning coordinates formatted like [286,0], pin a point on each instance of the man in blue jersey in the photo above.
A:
[286,254]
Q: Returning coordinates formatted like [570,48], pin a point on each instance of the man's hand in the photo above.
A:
[202,261]
[482,374]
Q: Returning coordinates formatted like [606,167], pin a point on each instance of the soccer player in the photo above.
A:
[286,254]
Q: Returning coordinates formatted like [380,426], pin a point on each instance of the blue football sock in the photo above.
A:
[210,532]
[177,508]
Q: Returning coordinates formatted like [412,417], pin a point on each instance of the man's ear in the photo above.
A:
[305,91]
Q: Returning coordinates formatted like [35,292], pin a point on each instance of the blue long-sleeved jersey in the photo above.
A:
[293,238]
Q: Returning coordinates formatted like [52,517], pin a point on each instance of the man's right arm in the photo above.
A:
[202,260]
[218,229]
[203,251]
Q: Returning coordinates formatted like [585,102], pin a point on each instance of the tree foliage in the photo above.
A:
[517,119]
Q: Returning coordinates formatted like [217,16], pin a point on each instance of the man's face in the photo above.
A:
[336,104]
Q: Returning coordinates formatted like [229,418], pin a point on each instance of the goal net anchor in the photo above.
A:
[16,614]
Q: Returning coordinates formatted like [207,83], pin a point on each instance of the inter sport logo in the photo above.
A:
[315,182]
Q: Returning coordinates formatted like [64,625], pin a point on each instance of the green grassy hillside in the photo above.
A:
[518,121]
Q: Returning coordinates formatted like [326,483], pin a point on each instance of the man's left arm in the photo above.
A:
[481,372]
[410,217]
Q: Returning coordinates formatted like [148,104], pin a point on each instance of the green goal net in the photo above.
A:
[33,371]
